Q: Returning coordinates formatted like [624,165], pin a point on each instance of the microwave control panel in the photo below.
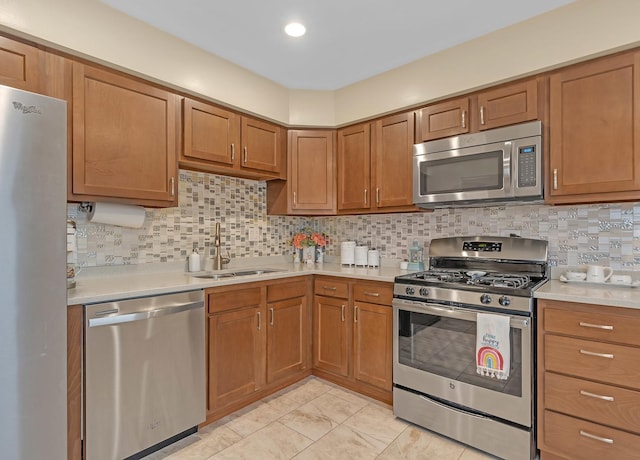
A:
[527,166]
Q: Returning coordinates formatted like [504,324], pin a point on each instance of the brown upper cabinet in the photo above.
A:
[223,142]
[375,165]
[124,139]
[594,131]
[310,187]
[19,65]
[501,106]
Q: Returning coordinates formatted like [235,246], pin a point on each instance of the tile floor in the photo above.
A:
[313,420]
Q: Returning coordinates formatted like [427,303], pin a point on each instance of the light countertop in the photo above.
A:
[106,284]
[598,294]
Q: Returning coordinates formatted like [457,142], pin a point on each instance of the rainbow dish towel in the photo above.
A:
[493,353]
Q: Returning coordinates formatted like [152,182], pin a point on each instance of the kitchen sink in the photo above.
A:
[257,271]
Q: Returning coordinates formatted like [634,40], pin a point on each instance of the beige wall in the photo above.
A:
[88,27]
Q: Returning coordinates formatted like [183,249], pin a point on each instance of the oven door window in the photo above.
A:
[446,347]
[468,173]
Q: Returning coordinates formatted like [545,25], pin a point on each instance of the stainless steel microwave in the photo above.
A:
[494,166]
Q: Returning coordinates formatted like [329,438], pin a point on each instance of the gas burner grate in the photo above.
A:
[443,276]
[514,281]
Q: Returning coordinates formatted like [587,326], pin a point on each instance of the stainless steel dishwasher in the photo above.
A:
[144,373]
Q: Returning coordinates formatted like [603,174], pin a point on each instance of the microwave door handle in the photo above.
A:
[507,166]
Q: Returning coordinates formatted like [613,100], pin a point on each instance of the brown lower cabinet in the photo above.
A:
[588,381]
[352,334]
[74,382]
[258,341]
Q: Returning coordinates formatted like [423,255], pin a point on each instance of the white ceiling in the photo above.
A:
[346,40]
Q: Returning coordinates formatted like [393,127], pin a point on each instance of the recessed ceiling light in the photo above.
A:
[295,29]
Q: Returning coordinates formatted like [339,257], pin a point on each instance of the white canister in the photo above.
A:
[194,261]
[348,253]
[373,258]
[361,256]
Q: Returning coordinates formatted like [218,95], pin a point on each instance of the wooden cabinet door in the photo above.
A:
[392,161]
[235,350]
[311,172]
[508,105]
[287,338]
[331,347]
[209,133]
[261,145]
[594,130]
[354,167]
[372,344]
[19,66]
[444,119]
[124,138]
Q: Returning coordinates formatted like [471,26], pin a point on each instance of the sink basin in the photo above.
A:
[217,276]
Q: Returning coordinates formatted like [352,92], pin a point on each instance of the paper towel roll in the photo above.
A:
[117,214]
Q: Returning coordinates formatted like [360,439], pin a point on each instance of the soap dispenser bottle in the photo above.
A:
[416,256]
[194,261]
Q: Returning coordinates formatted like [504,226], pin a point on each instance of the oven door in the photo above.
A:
[466,174]
[434,354]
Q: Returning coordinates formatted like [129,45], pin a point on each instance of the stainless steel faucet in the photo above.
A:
[218,260]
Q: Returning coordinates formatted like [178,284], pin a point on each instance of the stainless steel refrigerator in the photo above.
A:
[33,296]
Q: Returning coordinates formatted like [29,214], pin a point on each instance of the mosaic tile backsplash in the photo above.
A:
[603,234]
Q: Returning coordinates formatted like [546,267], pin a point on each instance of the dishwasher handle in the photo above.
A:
[143,315]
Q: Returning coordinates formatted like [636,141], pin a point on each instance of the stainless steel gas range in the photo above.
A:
[463,346]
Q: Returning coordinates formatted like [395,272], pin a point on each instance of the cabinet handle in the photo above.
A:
[343,313]
[464,118]
[555,178]
[377,195]
[245,154]
[593,395]
[330,288]
[372,294]
[233,152]
[259,320]
[596,438]
[272,314]
[482,115]
[599,355]
[596,326]
[295,201]
[355,314]
[172,181]
[365,196]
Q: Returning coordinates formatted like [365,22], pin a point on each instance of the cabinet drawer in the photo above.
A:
[584,440]
[600,403]
[592,325]
[380,293]
[603,362]
[331,288]
[233,299]
[286,291]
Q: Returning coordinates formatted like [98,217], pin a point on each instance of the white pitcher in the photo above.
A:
[598,273]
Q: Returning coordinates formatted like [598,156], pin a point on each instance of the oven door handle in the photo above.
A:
[468,314]
[451,408]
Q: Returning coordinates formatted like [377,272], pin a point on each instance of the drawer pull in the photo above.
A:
[343,313]
[599,355]
[372,294]
[594,437]
[593,395]
[596,326]
[330,288]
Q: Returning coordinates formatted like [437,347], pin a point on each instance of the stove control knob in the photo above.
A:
[424,292]
[485,298]
[410,291]
[504,301]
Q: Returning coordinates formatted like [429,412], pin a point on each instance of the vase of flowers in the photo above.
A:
[309,246]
